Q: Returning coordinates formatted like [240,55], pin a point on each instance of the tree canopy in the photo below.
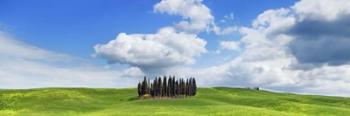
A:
[167,87]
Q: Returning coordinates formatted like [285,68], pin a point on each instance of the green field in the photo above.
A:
[209,101]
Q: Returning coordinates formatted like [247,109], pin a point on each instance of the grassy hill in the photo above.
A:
[209,101]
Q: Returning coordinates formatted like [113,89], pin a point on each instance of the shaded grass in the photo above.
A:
[208,101]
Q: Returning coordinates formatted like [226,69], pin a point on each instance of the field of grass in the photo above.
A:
[123,102]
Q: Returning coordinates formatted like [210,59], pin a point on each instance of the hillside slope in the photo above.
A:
[209,101]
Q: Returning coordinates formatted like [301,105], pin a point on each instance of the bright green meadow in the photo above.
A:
[124,102]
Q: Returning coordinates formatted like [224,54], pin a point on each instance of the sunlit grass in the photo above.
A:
[209,101]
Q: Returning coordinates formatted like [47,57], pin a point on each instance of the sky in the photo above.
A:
[279,45]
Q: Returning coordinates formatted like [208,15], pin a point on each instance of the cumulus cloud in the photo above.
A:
[170,47]
[196,15]
[229,45]
[281,39]
[26,66]
[322,36]
[166,48]
[275,45]
[322,9]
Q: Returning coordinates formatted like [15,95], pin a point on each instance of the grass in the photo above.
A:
[123,102]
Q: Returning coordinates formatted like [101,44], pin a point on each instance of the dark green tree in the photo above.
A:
[144,86]
[177,90]
[168,87]
[155,86]
[164,86]
[139,89]
[160,90]
[151,89]
[194,87]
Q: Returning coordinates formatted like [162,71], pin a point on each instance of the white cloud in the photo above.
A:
[274,21]
[133,72]
[167,48]
[224,30]
[322,32]
[11,48]
[229,45]
[322,9]
[27,66]
[170,47]
[267,60]
[196,16]
[226,25]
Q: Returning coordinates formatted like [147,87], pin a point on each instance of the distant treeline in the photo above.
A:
[167,87]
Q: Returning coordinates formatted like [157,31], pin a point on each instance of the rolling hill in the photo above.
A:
[208,101]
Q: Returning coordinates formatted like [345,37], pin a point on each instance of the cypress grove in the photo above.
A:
[167,87]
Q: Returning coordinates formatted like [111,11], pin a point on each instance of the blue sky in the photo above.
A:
[299,46]
[73,27]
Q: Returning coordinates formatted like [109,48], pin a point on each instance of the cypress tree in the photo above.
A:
[173,86]
[152,90]
[156,87]
[187,86]
[148,87]
[160,86]
[142,88]
[169,86]
[177,92]
[192,86]
[182,87]
[195,86]
[164,86]
[139,89]
[145,86]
